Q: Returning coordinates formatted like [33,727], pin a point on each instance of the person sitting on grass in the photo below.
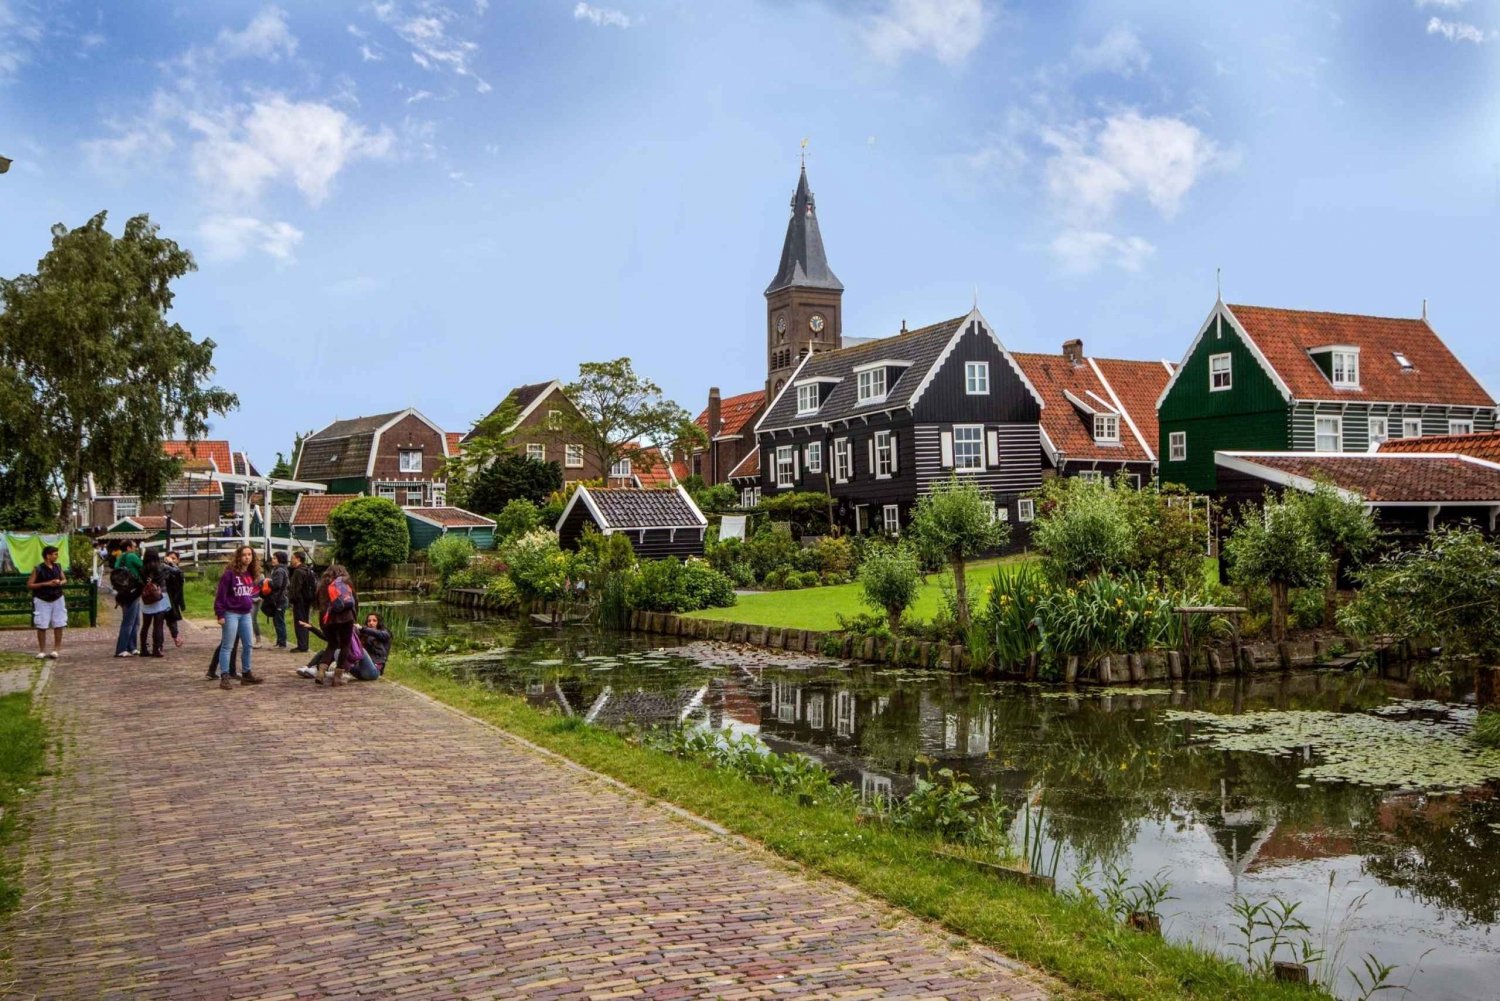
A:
[376,643]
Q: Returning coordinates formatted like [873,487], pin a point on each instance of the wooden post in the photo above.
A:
[1487,687]
[1070,671]
[1174,664]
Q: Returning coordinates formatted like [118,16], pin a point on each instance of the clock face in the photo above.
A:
[781,324]
[816,323]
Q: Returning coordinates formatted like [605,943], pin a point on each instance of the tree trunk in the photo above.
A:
[960,591]
[895,616]
[1278,610]
[1331,596]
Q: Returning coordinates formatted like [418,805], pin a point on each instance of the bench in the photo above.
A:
[15,600]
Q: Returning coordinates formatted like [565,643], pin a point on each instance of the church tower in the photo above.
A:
[804,301]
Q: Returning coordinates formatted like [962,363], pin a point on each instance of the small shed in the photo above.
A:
[427,524]
[658,523]
[309,521]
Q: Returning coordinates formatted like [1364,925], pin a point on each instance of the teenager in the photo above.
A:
[127,578]
[303,590]
[173,585]
[154,605]
[337,604]
[234,607]
[274,603]
[48,609]
[376,640]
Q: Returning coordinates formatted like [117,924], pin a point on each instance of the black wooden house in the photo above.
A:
[657,522]
[878,424]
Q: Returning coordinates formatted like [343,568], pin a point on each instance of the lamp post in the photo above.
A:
[167,506]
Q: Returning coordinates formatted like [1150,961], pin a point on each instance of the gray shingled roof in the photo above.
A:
[632,509]
[355,425]
[922,347]
[803,263]
[523,396]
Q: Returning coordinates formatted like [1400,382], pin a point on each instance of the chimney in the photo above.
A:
[714,420]
[1073,351]
[903,324]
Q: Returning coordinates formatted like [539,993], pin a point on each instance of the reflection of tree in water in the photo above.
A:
[1444,851]
[891,739]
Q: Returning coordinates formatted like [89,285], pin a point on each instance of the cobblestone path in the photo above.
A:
[288,841]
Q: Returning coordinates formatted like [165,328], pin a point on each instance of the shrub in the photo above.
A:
[369,535]
[1306,608]
[480,573]
[1105,615]
[503,591]
[80,556]
[671,586]
[607,563]
[889,578]
[769,550]
[837,558]
[1274,544]
[449,554]
[513,477]
[1007,619]
[705,587]
[805,510]
[1080,530]
[516,519]
[548,513]
[805,578]
[538,567]
[716,499]
[953,523]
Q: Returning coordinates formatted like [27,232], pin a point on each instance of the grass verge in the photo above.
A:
[22,753]
[1075,943]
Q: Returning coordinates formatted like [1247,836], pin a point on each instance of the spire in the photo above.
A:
[803,262]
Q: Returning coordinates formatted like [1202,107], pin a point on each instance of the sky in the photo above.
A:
[426,202]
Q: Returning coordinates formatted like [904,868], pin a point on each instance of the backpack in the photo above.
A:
[123,581]
[151,592]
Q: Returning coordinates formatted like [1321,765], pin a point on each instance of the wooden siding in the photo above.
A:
[1019,471]
[1356,421]
[1260,432]
[946,402]
[410,432]
[649,544]
[423,534]
[195,512]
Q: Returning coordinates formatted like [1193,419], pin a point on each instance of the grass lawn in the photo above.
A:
[820,607]
[1075,943]
[198,594]
[22,747]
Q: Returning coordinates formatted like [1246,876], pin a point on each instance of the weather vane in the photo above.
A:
[804,152]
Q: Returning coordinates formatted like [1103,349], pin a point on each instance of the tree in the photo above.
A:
[889,578]
[616,412]
[513,477]
[96,375]
[490,440]
[369,535]
[1081,531]
[518,517]
[954,523]
[1275,545]
[449,554]
[1343,529]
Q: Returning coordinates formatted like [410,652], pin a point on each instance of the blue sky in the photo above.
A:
[414,202]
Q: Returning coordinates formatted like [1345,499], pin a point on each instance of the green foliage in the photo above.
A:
[671,585]
[538,567]
[502,591]
[490,440]
[953,523]
[1345,530]
[837,558]
[80,555]
[1487,728]
[615,410]
[1105,615]
[479,573]
[889,578]
[513,477]
[1274,545]
[93,376]
[805,510]
[517,518]
[716,499]
[369,535]
[1008,617]
[1085,528]
[22,751]
[610,563]
[449,554]
[941,802]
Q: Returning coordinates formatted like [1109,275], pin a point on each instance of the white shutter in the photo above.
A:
[947,438]
[994,439]
[895,463]
[872,455]
[797,464]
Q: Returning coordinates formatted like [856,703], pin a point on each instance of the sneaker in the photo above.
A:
[213,672]
[41,656]
[251,679]
[305,672]
[54,655]
[225,683]
[125,653]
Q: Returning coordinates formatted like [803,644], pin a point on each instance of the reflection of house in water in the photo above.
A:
[948,733]
[823,724]
[1239,827]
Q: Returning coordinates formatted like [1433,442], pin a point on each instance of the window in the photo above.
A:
[1134,479]
[411,460]
[807,399]
[968,446]
[554,418]
[1001,512]
[872,385]
[439,497]
[1328,435]
[1107,427]
[1177,446]
[843,460]
[1403,361]
[977,378]
[1025,509]
[1460,427]
[861,518]
[414,496]
[891,519]
[1220,375]
[885,454]
[1380,430]
[815,457]
[1411,427]
[537,451]
[620,469]
[1346,368]
[386,490]
[573,456]
[127,507]
[1091,476]
[786,470]
[750,496]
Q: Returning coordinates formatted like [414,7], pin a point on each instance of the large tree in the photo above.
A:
[96,376]
[617,412]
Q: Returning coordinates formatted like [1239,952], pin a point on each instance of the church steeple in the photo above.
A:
[803,301]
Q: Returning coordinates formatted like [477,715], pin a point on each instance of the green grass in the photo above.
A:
[820,607]
[22,751]
[1074,943]
[198,594]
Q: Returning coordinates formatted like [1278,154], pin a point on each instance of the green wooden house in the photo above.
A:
[1260,379]
[309,517]
[428,524]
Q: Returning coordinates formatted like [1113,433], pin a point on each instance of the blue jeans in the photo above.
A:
[130,627]
[278,619]
[236,624]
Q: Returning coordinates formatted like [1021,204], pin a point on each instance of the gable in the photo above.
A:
[943,393]
[1254,386]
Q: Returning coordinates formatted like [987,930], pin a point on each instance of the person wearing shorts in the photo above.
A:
[48,609]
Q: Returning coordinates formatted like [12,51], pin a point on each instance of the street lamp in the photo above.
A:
[167,507]
[4,164]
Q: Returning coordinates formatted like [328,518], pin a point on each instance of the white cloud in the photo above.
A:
[947,29]
[228,238]
[602,17]
[1445,4]
[1120,52]
[1084,250]
[1458,31]
[20,35]
[265,37]
[304,143]
[430,31]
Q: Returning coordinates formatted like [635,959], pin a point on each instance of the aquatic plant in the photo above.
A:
[942,802]
[1487,728]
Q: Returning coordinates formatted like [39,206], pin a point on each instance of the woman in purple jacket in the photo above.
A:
[234,607]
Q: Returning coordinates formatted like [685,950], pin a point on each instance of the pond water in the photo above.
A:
[1137,780]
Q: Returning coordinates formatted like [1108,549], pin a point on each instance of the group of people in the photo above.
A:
[149,593]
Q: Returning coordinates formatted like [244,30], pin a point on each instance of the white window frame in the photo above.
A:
[885,457]
[439,497]
[536,450]
[1215,383]
[386,490]
[815,457]
[807,399]
[999,512]
[415,496]
[1319,422]
[1107,428]
[554,418]
[890,519]
[750,497]
[1380,430]
[1411,427]
[406,463]
[1343,369]
[961,461]
[867,389]
[1025,509]
[843,460]
[977,378]
[620,469]
[785,463]
[1091,476]
[1457,426]
[127,507]
[1177,446]
[573,456]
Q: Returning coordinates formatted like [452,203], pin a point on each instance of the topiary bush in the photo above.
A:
[889,578]
[516,519]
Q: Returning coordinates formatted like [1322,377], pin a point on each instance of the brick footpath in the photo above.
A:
[289,841]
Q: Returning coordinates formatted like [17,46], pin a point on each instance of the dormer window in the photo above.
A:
[1107,428]
[1220,372]
[872,385]
[620,469]
[1345,369]
[807,399]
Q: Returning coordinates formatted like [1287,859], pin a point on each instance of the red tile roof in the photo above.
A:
[1485,445]
[1423,478]
[1139,384]
[748,467]
[734,412]
[455,442]
[1285,336]
[153,522]
[660,473]
[450,517]
[313,509]
[1070,429]
[215,449]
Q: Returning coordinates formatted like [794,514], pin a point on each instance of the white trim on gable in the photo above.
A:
[1120,409]
[397,419]
[582,493]
[792,381]
[1250,345]
[958,332]
[1081,404]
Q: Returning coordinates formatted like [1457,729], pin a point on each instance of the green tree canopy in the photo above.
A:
[1274,544]
[510,478]
[889,578]
[1344,529]
[369,535]
[953,523]
[95,375]
[617,412]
